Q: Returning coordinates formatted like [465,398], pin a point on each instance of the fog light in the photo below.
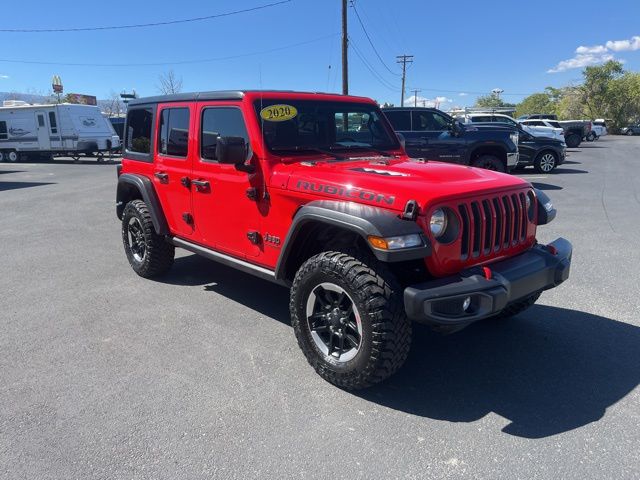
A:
[466,304]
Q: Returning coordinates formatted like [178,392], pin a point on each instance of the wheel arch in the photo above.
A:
[138,187]
[324,224]
[496,150]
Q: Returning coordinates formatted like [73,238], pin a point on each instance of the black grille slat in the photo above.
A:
[489,229]
[517,218]
[464,247]
[499,224]
[477,231]
[525,217]
[508,221]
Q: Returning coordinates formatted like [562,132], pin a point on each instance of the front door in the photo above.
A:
[225,215]
[44,142]
[172,168]
[436,142]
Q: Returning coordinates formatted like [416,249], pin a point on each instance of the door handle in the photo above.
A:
[200,184]
[163,177]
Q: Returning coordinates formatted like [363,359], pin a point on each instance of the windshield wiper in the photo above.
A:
[299,148]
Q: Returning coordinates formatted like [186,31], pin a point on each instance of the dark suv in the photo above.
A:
[432,134]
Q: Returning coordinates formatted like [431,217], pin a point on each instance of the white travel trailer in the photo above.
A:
[58,128]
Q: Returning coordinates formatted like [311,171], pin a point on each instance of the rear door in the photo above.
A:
[225,215]
[173,164]
[44,142]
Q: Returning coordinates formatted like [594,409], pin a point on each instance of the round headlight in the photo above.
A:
[438,222]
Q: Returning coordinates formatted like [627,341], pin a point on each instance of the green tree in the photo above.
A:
[537,103]
[492,101]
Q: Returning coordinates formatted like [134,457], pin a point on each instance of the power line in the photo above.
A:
[178,62]
[372,70]
[141,25]
[353,5]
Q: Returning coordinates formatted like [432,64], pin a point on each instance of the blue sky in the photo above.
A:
[460,47]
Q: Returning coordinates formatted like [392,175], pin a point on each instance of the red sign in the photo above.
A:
[81,99]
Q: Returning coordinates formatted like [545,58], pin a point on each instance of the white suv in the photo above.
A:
[535,130]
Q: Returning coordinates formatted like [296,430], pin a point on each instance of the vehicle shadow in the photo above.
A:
[547,371]
[4,186]
[10,171]
[545,186]
[265,297]
[560,170]
[571,162]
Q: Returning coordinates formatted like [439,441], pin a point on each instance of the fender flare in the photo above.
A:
[142,184]
[363,220]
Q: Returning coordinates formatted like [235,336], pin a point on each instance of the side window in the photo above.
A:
[220,122]
[139,126]
[400,121]
[174,132]
[3,131]
[429,121]
[52,122]
[506,120]
[481,119]
[40,120]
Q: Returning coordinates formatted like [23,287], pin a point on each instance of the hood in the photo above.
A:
[390,183]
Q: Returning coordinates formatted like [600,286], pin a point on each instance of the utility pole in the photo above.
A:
[415,96]
[345,50]
[404,59]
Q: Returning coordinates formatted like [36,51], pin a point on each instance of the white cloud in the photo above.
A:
[596,54]
[462,94]
[426,102]
[581,60]
[3,77]
[594,49]
[624,45]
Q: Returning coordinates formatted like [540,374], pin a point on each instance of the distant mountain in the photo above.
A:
[26,97]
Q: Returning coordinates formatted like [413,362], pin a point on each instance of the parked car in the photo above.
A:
[596,132]
[539,129]
[633,129]
[544,116]
[432,134]
[315,192]
[575,131]
[545,154]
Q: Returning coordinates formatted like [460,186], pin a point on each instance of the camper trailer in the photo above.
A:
[69,129]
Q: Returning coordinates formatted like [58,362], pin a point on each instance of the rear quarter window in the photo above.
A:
[139,133]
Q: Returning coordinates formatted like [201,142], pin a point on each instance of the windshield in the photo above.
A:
[300,127]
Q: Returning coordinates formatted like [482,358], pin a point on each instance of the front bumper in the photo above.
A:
[490,289]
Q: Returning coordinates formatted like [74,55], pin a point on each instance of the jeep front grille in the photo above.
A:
[492,224]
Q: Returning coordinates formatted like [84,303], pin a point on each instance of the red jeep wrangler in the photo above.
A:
[315,192]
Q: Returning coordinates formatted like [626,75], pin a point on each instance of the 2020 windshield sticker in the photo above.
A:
[278,113]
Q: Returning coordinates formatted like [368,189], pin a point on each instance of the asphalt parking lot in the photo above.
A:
[107,375]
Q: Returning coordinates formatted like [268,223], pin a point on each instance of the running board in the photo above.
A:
[247,267]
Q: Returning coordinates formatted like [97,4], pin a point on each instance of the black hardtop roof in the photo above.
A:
[211,95]
[430,109]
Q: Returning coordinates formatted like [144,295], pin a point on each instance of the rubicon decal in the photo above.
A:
[346,192]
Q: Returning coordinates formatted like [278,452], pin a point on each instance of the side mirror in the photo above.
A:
[233,150]
[456,128]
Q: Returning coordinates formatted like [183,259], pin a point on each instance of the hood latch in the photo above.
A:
[410,210]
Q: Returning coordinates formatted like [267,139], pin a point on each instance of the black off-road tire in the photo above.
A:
[386,331]
[517,307]
[489,162]
[573,140]
[159,254]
